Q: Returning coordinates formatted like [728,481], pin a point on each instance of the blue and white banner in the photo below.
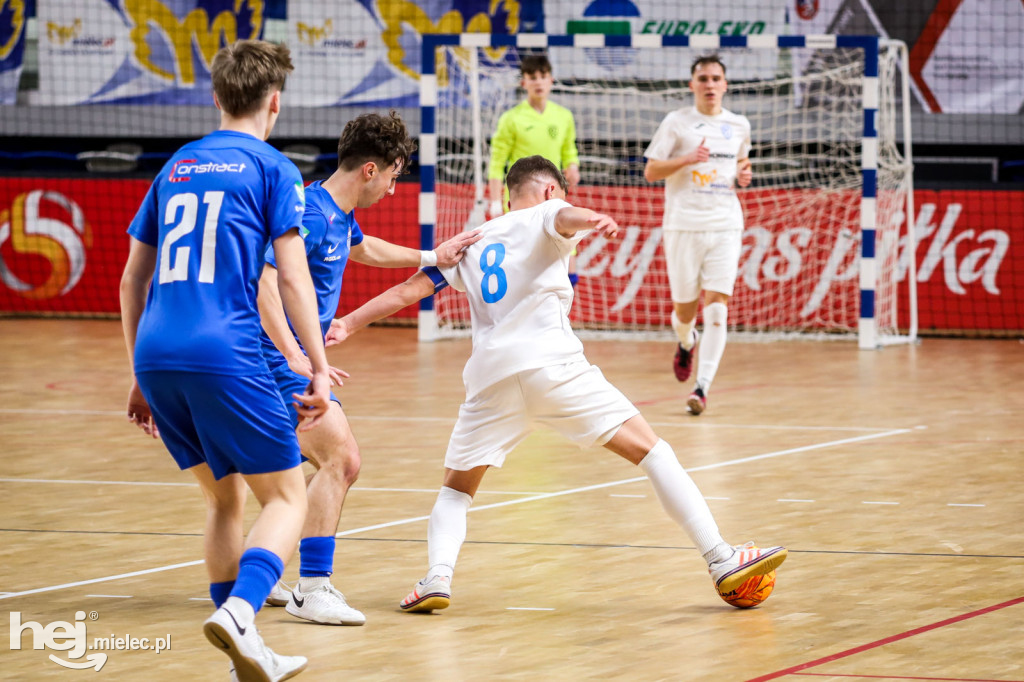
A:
[368,51]
[750,17]
[137,51]
[12,47]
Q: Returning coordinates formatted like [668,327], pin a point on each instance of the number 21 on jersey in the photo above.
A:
[184,208]
[494,284]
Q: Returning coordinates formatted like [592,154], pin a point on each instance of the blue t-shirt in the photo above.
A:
[210,214]
[329,234]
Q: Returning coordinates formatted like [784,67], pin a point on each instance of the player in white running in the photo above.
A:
[528,368]
[702,153]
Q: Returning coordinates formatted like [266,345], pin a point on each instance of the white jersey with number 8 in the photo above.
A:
[517,282]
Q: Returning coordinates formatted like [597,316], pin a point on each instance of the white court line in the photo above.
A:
[954,504]
[870,502]
[451,420]
[196,485]
[104,579]
[783,499]
[199,599]
[618,495]
[111,596]
[522,500]
[68,480]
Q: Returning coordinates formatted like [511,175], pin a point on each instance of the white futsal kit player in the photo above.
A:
[702,230]
[527,368]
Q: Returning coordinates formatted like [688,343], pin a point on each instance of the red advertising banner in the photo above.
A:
[63,243]
[63,247]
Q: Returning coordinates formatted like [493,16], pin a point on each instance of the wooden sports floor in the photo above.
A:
[895,477]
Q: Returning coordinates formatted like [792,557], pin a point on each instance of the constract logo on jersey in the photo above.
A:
[183,169]
[43,225]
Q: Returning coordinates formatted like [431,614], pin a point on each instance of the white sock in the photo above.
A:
[683,502]
[241,609]
[446,531]
[684,331]
[712,345]
[310,583]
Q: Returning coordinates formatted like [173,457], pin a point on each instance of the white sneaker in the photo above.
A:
[429,595]
[746,562]
[324,605]
[253,660]
[279,595]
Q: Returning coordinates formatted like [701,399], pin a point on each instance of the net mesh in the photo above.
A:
[799,268]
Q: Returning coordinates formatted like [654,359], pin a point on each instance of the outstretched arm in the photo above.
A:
[383,254]
[570,220]
[391,301]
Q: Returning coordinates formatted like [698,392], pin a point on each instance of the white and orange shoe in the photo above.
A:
[429,595]
[746,562]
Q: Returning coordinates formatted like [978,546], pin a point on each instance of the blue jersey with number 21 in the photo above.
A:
[210,214]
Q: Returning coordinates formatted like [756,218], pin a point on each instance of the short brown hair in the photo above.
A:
[530,167]
[373,137]
[246,71]
[706,59]
[534,63]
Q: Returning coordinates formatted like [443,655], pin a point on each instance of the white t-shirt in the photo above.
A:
[701,197]
[517,281]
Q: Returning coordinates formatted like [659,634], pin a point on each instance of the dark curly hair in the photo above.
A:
[373,137]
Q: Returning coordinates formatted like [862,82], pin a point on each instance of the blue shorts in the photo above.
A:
[233,423]
[288,382]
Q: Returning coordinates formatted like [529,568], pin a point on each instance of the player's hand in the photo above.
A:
[300,365]
[337,332]
[745,174]
[572,176]
[313,404]
[139,412]
[604,224]
[701,154]
[451,252]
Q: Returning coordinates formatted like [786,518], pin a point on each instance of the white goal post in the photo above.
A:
[828,242]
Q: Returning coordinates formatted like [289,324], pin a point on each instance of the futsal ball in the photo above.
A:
[752,592]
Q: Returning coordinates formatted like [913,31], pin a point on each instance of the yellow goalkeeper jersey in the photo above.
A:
[523,132]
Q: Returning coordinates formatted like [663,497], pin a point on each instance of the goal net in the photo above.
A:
[826,247]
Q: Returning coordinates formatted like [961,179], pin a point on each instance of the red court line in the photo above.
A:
[887,640]
[901,677]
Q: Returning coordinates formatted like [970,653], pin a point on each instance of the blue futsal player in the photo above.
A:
[201,382]
[372,152]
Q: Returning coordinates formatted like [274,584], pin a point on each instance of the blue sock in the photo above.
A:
[219,592]
[316,557]
[258,571]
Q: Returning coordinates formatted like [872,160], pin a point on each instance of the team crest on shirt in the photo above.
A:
[553,132]
[727,131]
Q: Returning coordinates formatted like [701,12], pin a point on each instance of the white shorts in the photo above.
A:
[699,261]
[574,399]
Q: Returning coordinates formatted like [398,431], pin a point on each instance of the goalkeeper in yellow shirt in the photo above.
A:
[535,126]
